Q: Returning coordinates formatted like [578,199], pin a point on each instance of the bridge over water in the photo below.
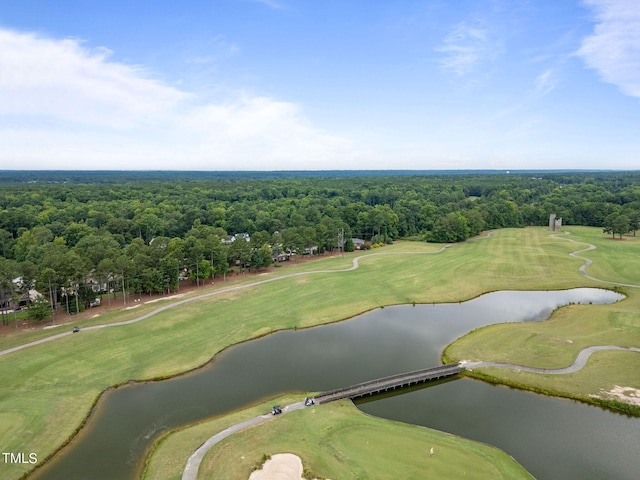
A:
[390,383]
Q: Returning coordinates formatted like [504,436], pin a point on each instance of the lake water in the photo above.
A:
[552,438]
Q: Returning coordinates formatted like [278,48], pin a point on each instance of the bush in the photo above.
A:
[39,309]
[349,246]
[377,239]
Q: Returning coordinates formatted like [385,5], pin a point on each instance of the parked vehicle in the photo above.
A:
[76,329]
[309,401]
[276,410]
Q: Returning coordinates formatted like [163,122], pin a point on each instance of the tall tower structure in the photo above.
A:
[555,224]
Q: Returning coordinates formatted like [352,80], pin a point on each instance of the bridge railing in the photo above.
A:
[392,381]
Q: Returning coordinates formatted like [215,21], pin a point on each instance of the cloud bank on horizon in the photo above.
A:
[266,85]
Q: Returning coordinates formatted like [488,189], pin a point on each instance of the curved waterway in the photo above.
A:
[552,438]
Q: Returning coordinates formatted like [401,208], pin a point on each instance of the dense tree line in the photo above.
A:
[142,235]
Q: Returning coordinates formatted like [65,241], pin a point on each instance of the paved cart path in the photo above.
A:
[191,469]
[578,364]
[193,463]
[355,265]
[588,262]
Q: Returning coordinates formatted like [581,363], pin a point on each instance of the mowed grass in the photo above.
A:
[171,451]
[555,343]
[334,441]
[613,259]
[135,310]
[46,391]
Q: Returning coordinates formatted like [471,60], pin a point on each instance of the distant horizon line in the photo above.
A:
[500,170]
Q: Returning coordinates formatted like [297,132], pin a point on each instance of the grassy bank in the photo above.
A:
[556,342]
[46,391]
[105,315]
[334,441]
[170,453]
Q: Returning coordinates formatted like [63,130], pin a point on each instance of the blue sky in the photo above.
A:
[304,85]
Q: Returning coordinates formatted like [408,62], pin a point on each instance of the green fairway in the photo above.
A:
[334,441]
[47,390]
[556,342]
[172,451]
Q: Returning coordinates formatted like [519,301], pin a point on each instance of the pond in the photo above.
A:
[552,438]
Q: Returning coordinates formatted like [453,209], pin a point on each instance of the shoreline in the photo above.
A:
[592,401]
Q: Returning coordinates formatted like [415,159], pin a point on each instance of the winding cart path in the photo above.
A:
[578,364]
[191,469]
[193,463]
[355,265]
[588,262]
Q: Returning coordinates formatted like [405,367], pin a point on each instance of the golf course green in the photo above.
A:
[334,441]
[46,391]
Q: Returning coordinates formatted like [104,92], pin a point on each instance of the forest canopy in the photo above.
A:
[66,232]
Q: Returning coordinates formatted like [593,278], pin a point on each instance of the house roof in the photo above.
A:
[233,238]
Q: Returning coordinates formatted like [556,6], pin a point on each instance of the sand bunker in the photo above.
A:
[171,297]
[282,466]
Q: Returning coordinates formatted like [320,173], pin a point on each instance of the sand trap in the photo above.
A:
[282,466]
[171,297]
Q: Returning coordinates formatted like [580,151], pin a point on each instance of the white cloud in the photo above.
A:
[61,79]
[465,47]
[545,82]
[68,106]
[613,50]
